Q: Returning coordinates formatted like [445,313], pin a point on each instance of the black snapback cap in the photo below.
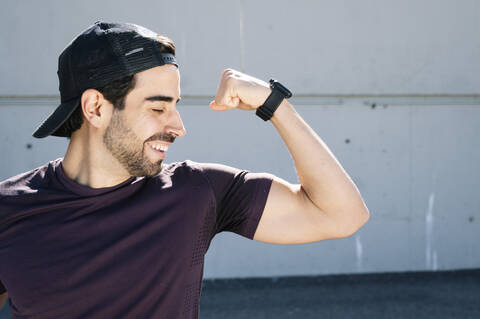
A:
[99,55]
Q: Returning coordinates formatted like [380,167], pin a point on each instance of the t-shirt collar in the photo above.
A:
[80,189]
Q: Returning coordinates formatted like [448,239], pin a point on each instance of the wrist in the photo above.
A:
[278,94]
[283,111]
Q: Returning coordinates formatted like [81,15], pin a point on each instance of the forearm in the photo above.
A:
[322,177]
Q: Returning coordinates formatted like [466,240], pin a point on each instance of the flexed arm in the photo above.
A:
[326,204]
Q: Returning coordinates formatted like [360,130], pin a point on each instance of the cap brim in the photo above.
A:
[56,119]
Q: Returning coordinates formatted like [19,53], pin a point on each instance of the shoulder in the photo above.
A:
[209,171]
[186,172]
[193,172]
[179,169]
[28,182]
[192,167]
[24,183]
[221,177]
[214,171]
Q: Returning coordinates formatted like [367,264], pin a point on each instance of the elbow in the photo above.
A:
[361,219]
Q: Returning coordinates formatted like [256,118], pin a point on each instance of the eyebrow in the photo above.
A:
[161,98]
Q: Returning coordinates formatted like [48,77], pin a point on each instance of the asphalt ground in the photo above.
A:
[439,295]
[419,295]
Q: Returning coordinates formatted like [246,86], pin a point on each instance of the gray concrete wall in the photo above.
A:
[392,87]
[318,47]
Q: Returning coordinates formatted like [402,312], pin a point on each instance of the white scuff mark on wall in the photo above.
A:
[435,260]
[429,232]
[359,253]
[242,39]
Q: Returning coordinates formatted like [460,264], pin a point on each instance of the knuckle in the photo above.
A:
[228,72]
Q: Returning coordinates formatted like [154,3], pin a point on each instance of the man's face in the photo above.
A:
[138,134]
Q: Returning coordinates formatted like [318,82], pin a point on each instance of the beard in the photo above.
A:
[129,149]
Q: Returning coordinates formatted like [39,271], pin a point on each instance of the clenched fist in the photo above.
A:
[239,90]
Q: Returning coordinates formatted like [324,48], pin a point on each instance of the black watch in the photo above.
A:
[279,92]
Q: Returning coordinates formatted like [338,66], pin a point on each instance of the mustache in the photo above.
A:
[161,137]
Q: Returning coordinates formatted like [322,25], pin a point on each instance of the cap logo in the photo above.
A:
[134,51]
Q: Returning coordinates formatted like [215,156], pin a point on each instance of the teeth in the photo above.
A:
[159,147]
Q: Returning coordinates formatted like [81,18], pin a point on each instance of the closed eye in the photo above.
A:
[157,110]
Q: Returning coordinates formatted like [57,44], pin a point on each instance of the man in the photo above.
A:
[109,231]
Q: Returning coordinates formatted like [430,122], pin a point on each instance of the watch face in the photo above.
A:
[282,89]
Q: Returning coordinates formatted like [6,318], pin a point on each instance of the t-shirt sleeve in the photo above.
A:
[240,197]
[2,288]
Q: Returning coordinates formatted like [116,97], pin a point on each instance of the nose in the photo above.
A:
[175,124]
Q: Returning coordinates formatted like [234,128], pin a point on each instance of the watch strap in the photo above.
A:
[273,101]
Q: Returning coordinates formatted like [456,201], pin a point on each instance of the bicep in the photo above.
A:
[289,217]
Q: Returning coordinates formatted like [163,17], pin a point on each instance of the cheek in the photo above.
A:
[147,126]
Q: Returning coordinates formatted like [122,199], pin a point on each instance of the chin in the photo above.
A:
[147,169]
[155,169]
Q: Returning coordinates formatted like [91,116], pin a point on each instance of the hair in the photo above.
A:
[115,92]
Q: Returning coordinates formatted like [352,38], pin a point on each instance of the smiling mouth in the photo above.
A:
[157,146]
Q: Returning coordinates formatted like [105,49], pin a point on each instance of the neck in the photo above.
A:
[89,163]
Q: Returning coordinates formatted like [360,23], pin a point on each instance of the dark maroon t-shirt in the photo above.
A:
[134,250]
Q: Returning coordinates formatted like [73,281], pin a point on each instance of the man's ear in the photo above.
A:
[96,109]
